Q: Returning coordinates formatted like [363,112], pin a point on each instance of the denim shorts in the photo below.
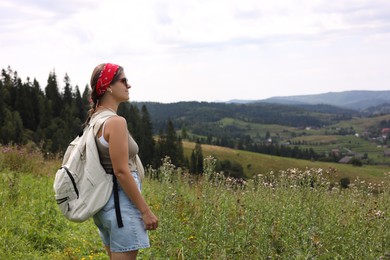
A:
[133,235]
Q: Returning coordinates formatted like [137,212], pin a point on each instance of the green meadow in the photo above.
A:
[255,163]
[295,211]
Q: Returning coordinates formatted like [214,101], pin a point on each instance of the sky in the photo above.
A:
[203,50]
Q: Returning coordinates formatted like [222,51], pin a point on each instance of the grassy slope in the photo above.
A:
[361,124]
[318,139]
[255,163]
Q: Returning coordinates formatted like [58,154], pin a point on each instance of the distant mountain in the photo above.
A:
[381,109]
[206,119]
[356,99]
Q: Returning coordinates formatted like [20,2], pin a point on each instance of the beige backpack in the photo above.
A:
[82,187]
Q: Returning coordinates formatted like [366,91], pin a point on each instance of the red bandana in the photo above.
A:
[105,78]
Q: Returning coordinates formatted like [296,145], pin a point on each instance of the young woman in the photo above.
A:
[117,152]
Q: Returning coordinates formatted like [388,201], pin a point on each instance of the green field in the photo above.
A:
[255,163]
[295,215]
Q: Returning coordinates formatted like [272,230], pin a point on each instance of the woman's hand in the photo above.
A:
[150,220]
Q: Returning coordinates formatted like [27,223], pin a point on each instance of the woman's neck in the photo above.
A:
[108,107]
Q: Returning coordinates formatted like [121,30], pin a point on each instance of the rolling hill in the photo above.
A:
[302,123]
[255,163]
[356,100]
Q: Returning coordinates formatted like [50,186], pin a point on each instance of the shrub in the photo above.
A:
[356,162]
[344,182]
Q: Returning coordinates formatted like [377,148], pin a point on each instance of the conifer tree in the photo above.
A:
[2,103]
[86,100]
[7,86]
[184,134]
[159,150]
[170,145]
[147,143]
[36,97]
[78,100]
[53,95]
[24,105]
[180,152]
[12,129]
[67,97]
[196,162]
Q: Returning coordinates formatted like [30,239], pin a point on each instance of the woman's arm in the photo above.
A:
[116,134]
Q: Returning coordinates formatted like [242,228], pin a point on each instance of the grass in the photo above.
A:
[255,163]
[362,124]
[325,144]
[295,214]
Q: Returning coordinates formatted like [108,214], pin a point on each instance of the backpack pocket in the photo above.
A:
[65,188]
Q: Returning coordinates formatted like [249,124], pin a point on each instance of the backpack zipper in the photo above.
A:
[72,179]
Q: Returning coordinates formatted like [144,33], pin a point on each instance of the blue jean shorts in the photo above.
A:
[133,235]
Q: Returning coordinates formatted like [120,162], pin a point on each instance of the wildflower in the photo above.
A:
[191,237]
[379,214]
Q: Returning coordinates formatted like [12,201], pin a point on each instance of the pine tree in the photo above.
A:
[81,110]
[7,87]
[184,134]
[12,129]
[36,96]
[170,145]
[159,150]
[86,101]
[53,95]
[24,105]
[134,122]
[147,143]
[2,103]
[196,162]
[67,97]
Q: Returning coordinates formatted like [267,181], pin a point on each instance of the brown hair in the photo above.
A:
[94,97]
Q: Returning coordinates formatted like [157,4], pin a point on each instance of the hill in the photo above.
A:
[255,163]
[357,100]
[204,118]
[323,128]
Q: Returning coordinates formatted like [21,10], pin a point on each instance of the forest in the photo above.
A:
[48,117]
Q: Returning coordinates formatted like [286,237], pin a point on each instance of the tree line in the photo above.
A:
[200,114]
[49,118]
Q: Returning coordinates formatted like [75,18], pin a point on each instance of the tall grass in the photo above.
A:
[291,214]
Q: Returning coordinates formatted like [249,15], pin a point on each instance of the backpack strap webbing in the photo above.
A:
[116,201]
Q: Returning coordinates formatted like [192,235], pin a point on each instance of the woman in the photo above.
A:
[117,152]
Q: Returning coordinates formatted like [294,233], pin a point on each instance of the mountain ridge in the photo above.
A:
[353,99]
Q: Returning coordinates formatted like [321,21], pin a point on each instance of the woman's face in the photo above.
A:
[120,89]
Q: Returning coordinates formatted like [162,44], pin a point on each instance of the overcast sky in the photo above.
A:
[203,50]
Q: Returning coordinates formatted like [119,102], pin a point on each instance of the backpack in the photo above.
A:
[82,187]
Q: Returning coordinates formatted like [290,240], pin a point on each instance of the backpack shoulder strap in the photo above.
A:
[99,119]
[96,123]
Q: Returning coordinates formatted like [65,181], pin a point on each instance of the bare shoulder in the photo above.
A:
[116,122]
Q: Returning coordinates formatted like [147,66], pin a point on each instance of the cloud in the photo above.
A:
[184,26]
[206,45]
